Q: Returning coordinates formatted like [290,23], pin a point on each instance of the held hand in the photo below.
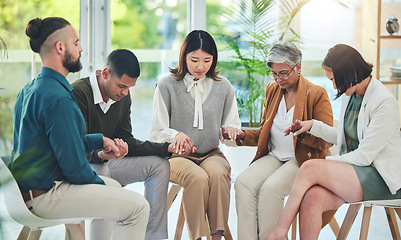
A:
[231,133]
[122,146]
[186,152]
[110,146]
[183,144]
[106,155]
[113,150]
[299,127]
[295,126]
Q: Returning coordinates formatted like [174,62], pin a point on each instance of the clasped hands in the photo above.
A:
[113,149]
[231,133]
[182,145]
[298,128]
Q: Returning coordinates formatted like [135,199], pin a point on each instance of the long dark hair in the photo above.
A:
[197,39]
[348,67]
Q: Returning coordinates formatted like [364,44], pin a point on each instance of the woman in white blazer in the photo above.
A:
[368,166]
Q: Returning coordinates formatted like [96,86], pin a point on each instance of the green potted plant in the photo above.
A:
[261,28]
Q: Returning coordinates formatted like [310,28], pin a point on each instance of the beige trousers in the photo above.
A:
[206,183]
[259,193]
[128,209]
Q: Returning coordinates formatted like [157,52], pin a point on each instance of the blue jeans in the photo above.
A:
[154,171]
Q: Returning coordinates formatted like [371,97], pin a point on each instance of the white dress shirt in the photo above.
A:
[97,95]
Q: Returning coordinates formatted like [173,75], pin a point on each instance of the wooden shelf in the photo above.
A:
[388,36]
[381,35]
[386,81]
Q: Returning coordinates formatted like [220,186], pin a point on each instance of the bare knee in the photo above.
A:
[309,169]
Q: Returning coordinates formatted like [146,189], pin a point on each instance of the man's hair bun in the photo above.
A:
[38,30]
[33,28]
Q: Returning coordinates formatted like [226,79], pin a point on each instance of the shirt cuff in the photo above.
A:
[94,141]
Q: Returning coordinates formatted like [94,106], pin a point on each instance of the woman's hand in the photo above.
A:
[182,145]
[231,133]
[299,127]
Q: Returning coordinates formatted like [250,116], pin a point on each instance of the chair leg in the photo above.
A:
[34,235]
[23,235]
[294,228]
[392,223]
[172,194]
[180,223]
[83,226]
[367,212]
[348,221]
[334,226]
[74,232]
[398,211]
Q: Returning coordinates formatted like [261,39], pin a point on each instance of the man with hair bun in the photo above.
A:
[48,158]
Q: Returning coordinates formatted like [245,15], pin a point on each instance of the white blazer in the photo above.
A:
[378,134]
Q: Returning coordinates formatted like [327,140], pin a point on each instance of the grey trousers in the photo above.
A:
[127,209]
[259,195]
[154,171]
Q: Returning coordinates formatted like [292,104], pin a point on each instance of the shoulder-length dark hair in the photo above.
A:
[195,40]
[348,67]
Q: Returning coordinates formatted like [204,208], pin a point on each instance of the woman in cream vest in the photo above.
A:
[191,107]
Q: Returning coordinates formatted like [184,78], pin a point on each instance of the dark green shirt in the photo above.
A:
[49,135]
[115,123]
[351,122]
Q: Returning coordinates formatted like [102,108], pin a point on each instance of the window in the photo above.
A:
[18,64]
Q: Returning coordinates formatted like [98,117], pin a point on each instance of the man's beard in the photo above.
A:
[70,65]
